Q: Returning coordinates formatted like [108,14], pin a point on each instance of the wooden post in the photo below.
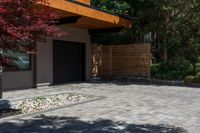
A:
[129,56]
[34,66]
[149,60]
[110,62]
[34,56]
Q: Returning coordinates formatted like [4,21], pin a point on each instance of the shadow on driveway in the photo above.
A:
[46,124]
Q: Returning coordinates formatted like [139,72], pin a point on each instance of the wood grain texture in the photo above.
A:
[121,60]
[90,18]
[84,1]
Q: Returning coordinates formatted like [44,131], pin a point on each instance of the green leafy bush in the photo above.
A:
[197,67]
[197,78]
[175,69]
[193,79]
[197,71]
[189,79]
[155,69]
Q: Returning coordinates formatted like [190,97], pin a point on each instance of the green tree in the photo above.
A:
[172,28]
[114,6]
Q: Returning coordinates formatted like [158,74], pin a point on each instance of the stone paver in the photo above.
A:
[125,108]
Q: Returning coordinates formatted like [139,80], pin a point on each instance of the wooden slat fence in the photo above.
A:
[121,60]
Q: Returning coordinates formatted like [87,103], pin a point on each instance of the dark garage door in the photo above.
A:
[68,62]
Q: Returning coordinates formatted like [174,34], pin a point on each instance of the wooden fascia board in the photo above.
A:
[88,2]
[89,12]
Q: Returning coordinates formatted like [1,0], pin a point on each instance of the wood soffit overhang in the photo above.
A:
[91,18]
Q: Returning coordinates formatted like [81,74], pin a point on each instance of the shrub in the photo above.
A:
[197,67]
[182,66]
[197,78]
[175,69]
[155,68]
[189,79]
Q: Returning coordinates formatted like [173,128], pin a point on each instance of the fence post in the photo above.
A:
[149,60]
[101,62]
[110,62]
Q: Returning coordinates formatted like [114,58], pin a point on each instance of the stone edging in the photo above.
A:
[67,92]
[146,81]
[164,82]
[159,82]
[197,85]
[96,98]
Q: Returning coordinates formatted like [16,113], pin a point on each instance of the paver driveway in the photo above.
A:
[126,108]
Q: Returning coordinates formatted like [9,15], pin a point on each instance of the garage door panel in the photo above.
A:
[68,62]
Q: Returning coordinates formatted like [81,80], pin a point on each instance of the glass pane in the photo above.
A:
[14,61]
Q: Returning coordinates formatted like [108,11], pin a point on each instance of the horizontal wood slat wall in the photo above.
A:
[121,60]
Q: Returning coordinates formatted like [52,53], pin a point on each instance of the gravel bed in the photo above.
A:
[47,102]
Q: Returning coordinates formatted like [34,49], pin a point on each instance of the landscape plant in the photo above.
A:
[25,24]
[171,27]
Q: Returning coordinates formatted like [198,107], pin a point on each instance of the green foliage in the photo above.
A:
[197,78]
[176,69]
[197,66]
[196,72]
[189,79]
[155,68]
[113,6]
[173,27]
[193,79]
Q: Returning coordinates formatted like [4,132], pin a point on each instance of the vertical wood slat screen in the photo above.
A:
[121,60]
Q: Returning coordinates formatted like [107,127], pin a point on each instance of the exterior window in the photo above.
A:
[14,61]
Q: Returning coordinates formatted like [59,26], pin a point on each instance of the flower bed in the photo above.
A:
[43,103]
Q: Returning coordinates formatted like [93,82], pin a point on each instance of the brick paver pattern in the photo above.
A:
[125,108]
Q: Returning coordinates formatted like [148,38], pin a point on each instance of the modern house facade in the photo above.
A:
[67,58]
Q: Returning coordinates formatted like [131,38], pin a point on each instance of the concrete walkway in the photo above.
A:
[127,108]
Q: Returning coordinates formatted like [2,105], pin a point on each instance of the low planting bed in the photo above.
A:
[193,81]
[42,103]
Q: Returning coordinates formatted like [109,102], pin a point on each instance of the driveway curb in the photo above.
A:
[14,117]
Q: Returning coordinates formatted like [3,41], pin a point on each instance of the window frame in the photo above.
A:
[29,56]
